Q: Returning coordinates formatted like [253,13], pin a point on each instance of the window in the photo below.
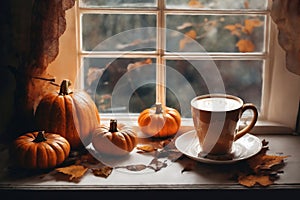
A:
[170,51]
[134,53]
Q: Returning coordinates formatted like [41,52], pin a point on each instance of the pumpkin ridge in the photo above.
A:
[57,114]
[116,140]
[58,149]
[171,130]
[174,114]
[43,111]
[82,118]
[41,155]
[23,154]
[51,154]
[32,149]
[130,141]
[72,124]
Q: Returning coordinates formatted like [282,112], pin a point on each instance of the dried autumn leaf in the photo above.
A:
[246,4]
[251,180]
[138,64]
[73,171]
[104,171]
[146,147]
[188,37]
[245,45]
[262,161]
[195,4]
[250,24]
[234,29]
[269,161]
[157,165]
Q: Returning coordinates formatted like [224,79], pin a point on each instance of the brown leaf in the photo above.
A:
[245,45]
[73,171]
[251,180]
[104,171]
[269,161]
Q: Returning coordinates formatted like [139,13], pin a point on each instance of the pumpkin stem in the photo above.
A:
[158,109]
[40,137]
[64,87]
[113,125]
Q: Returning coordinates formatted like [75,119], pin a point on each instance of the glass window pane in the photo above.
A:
[117,3]
[217,33]
[118,32]
[120,84]
[217,4]
[186,79]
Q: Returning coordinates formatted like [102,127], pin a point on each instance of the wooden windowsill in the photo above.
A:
[202,177]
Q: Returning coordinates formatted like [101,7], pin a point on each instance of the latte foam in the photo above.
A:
[216,104]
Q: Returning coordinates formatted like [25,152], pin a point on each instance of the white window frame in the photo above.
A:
[273,101]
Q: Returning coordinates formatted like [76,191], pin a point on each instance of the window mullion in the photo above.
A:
[160,67]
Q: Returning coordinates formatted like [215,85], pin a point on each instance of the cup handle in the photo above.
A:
[246,129]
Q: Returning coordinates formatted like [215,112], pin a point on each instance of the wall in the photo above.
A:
[15,21]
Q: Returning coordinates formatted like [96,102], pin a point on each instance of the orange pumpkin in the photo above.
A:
[159,121]
[40,150]
[115,139]
[73,115]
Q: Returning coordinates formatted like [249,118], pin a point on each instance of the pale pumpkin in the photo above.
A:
[115,139]
[40,150]
[159,121]
[73,115]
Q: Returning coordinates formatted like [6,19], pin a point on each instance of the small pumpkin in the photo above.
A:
[159,121]
[115,139]
[40,150]
[73,115]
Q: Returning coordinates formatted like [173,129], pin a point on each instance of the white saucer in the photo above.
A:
[245,147]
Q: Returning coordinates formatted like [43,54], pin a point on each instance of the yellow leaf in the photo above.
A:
[146,147]
[245,45]
[73,171]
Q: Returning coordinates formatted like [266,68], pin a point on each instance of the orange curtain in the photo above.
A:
[286,14]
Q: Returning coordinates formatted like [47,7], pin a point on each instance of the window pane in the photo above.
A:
[190,78]
[118,32]
[117,3]
[217,33]
[122,84]
[218,4]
